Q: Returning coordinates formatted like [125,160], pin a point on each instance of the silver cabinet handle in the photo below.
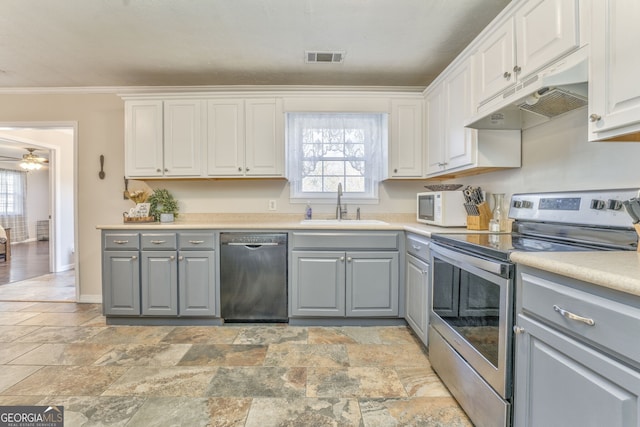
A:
[166,170]
[416,247]
[120,242]
[196,242]
[572,316]
[158,170]
[172,257]
[395,171]
[180,258]
[247,169]
[239,169]
[135,257]
[349,259]
[507,75]
[517,69]
[518,330]
[158,242]
[594,118]
[342,258]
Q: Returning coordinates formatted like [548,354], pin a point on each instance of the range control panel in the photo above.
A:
[597,207]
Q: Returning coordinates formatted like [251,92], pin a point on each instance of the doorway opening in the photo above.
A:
[47,257]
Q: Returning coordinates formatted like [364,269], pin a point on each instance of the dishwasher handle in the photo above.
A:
[252,245]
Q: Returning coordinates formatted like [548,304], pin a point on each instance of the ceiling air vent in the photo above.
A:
[324,57]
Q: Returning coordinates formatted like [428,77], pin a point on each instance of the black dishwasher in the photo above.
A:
[253,277]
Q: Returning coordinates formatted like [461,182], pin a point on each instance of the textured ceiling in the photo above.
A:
[82,43]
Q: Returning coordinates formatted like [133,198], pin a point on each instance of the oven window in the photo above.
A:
[470,305]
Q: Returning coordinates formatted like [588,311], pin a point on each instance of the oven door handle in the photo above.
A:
[459,258]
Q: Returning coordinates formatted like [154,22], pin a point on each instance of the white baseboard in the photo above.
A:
[90,299]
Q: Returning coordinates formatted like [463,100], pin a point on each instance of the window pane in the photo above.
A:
[330,148]
[354,184]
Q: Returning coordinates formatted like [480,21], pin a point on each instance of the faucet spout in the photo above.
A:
[339,210]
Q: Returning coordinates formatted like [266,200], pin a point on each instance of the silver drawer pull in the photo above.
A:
[417,247]
[158,242]
[196,242]
[572,316]
[120,242]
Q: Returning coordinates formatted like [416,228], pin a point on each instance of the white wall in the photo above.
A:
[37,199]
[556,156]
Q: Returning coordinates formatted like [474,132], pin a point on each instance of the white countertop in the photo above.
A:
[618,270]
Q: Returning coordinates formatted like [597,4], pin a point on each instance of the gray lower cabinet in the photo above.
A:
[121,274]
[417,289]
[168,274]
[338,283]
[580,370]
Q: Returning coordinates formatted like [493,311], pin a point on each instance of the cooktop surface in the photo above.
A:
[499,245]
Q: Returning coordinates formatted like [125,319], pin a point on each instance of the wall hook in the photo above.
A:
[101,173]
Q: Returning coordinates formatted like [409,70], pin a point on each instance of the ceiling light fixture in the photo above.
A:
[30,161]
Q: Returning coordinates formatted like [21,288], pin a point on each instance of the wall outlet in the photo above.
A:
[272,205]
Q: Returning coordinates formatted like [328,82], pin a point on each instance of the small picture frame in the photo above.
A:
[142,209]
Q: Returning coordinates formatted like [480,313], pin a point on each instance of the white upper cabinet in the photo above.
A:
[452,149]
[143,138]
[264,137]
[614,92]
[182,137]
[539,32]
[225,137]
[163,138]
[245,137]
[405,144]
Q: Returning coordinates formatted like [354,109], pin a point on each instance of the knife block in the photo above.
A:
[480,222]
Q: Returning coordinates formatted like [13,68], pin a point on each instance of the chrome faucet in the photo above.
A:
[340,211]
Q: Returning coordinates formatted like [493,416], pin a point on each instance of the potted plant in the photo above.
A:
[163,207]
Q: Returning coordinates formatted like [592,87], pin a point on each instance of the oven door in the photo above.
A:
[472,309]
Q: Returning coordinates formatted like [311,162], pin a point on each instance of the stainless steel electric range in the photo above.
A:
[472,304]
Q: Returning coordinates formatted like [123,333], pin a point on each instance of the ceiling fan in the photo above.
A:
[29,161]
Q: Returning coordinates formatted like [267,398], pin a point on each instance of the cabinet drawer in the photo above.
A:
[418,246]
[345,240]
[196,241]
[158,241]
[614,325]
[121,241]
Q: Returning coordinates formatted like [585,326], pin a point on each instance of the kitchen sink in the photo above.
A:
[344,222]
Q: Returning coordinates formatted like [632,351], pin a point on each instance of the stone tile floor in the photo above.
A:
[237,375]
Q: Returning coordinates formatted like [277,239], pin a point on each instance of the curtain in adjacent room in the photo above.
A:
[13,203]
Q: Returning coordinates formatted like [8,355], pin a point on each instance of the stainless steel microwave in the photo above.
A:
[442,208]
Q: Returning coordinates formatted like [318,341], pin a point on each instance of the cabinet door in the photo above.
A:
[545,31]
[614,92]
[143,138]
[560,382]
[159,283]
[372,284]
[121,283]
[197,279]
[182,137]
[225,137]
[459,101]
[435,130]
[495,60]
[405,145]
[318,283]
[264,137]
[417,278]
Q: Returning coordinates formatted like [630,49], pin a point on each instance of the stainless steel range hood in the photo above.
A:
[557,89]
